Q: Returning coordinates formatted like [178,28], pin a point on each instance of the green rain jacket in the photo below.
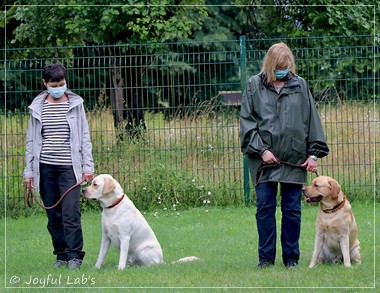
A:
[286,123]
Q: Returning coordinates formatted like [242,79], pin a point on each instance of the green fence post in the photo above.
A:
[243,79]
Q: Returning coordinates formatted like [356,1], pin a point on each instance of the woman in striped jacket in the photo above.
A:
[58,155]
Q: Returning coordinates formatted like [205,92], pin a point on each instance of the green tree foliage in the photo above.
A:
[64,24]
[61,25]
[332,72]
[299,18]
[83,22]
[222,22]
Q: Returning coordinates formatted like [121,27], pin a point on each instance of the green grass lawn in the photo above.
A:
[224,239]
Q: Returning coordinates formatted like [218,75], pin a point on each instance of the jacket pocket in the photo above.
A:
[299,145]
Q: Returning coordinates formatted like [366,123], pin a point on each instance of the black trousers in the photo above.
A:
[64,221]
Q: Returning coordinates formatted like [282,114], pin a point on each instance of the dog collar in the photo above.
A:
[116,203]
[337,207]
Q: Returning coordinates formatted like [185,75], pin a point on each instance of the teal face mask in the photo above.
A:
[280,74]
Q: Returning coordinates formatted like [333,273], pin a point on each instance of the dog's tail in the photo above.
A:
[187,259]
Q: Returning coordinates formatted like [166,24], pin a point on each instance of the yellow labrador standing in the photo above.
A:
[123,225]
[336,229]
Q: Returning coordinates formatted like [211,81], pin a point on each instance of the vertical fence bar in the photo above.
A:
[243,73]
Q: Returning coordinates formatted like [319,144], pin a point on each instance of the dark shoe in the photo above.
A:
[291,263]
[60,263]
[74,263]
[264,264]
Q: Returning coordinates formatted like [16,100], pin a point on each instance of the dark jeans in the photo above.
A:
[290,223]
[64,221]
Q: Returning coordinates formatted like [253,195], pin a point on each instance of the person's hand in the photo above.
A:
[87,177]
[310,165]
[29,182]
[268,157]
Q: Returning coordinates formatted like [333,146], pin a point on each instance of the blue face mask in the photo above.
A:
[280,74]
[56,92]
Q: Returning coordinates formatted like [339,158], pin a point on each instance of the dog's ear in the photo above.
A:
[335,188]
[109,185]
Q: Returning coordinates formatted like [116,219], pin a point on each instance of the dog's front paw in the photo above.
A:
[98,265]
[121,267]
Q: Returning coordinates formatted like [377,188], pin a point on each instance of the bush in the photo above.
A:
[161,187]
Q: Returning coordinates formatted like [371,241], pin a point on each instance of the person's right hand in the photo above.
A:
[268,157]
[29,182]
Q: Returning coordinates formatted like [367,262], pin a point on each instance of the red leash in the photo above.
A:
[30,196]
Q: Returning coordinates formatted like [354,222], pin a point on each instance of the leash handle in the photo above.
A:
[29,196]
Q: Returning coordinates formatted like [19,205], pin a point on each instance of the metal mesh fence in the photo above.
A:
[164,118]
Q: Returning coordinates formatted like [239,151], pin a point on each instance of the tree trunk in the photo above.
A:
[117,96]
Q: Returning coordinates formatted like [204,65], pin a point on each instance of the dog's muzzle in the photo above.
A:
[314,199]
[84,193]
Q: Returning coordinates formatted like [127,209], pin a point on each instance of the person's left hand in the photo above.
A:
[87,177]
[310,165]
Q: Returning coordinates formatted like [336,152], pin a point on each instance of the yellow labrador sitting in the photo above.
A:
[123,225]
[336,229]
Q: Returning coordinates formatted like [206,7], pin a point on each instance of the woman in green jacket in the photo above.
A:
[282,136]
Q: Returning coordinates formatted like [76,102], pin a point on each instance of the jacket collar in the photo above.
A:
[290,82]
[37,104]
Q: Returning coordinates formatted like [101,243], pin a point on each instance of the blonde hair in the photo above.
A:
[278,55]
